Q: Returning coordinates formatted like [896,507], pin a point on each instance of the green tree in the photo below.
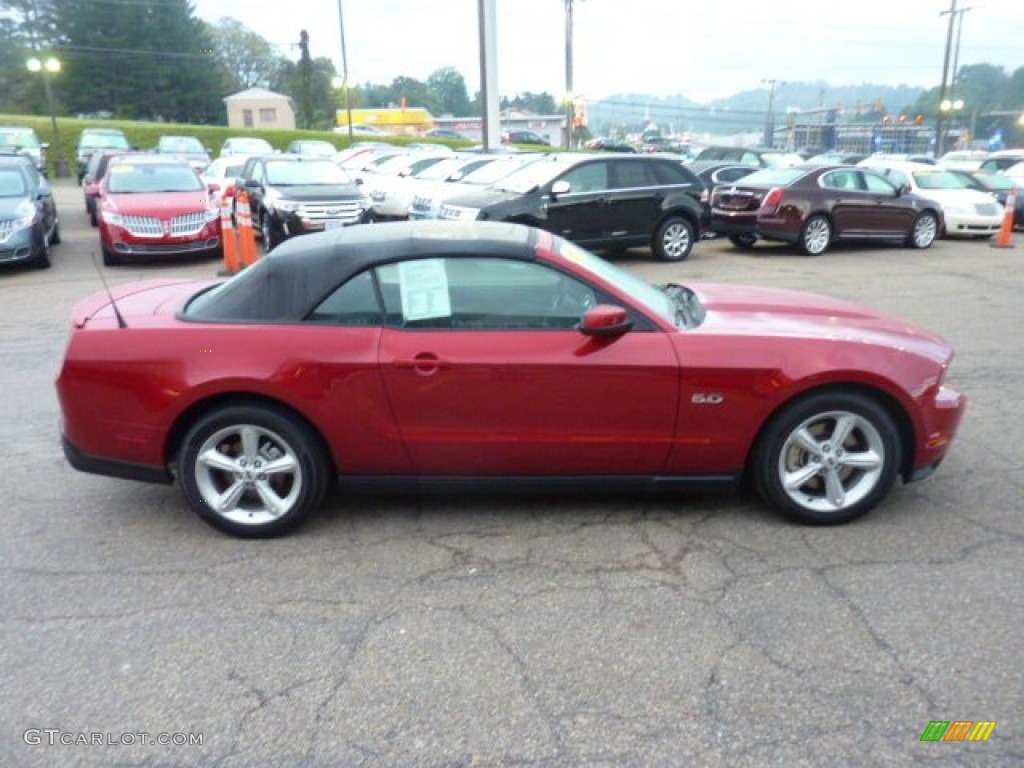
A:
[139,60]
[288,78]
[248,58]
[448,89]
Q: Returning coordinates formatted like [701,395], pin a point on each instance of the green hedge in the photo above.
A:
[145,135]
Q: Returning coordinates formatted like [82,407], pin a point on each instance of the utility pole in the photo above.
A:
[939,127]
[769,123]
[570,113]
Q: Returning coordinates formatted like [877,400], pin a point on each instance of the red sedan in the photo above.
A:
[155,206]
[483,351]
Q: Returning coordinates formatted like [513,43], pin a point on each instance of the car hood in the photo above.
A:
[738,310]
[159,204]
[309,192]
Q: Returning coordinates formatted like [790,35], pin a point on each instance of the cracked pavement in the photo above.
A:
[532,631]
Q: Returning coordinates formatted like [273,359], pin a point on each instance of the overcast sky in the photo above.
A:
[703,49]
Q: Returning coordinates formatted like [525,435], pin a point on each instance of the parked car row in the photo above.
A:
[29,223]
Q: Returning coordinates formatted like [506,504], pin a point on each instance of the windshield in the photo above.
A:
[497,169]
[131,179]
[182,144]
[780,159]
[443,169]
[773,177]
[531,176]
[996,181]
[18,139]
[104,140]
[657,301]
[289,173]
[939,180]
[12,183]
[250,146]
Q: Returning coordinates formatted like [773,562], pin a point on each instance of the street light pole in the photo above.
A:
[47,67]
[945,78]
[344,71]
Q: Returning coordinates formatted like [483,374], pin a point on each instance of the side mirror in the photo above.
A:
[605,320]
[902,189]
[560,187]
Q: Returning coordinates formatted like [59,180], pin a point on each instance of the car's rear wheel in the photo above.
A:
[815,236]
[42,258]
[828,458]
[674,239]
[55,235]
[252,471]
[743,241]
[924,231]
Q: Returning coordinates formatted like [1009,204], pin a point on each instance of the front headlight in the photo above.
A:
[24,215]
[458,213]
[211,214]
[274,199]
[114,219]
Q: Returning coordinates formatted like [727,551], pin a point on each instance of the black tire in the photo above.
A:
[55,237]
[924,231]
[271,233]
[674,239]
[745,242]
[247,492]
[860,471]
[110,259]
[42,259]
[815,236]
[93,218]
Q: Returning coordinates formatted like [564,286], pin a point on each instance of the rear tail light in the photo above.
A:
[773,198]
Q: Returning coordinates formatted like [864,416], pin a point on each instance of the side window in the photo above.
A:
[481,294]
[257,171]
[672,173]
[897,177]
[728,175]
[632,174]
[591,177]
[878,185]
[353,303]
[747,158]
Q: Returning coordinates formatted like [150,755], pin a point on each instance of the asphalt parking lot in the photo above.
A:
[523,630]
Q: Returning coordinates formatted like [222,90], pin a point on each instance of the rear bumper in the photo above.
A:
[741,223]
[96,465]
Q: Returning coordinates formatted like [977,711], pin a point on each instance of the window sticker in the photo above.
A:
[424,288]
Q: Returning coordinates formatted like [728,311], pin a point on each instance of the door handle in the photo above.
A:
[425,363]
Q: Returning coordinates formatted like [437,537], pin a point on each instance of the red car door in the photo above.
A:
[492,379]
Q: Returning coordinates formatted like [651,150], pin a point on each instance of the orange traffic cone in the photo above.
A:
[1006,231]
[229,240]
[247,238]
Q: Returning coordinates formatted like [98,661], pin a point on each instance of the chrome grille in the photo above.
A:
[143,226]
[987,209]
[6,229]
[188,223]
[344,210]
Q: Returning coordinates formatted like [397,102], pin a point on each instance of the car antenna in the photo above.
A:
[117,313]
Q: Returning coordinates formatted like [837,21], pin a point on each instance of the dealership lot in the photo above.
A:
[525,630]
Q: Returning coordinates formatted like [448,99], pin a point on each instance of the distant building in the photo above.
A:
[550,127]
[260,108]
[398,121]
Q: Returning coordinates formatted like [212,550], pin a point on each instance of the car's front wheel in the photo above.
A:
[270,232]
[674,239]
[252,471]
[828,458]
[924,231]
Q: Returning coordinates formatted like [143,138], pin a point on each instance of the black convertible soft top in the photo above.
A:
[288,284]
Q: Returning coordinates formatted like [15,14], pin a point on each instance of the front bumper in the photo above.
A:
[972,224]
[22,244]
[941,418]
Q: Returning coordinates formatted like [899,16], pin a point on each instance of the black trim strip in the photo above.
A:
[95,465]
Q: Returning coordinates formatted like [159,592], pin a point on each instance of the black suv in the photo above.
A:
[294,194]
[598,201]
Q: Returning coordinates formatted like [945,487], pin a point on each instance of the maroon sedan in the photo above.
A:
[815,206]
[487,352]
[156,206]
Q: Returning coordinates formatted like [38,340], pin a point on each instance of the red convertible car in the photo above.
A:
[492,352]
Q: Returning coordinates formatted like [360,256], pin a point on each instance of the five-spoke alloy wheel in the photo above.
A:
[828,458]
[251,471]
